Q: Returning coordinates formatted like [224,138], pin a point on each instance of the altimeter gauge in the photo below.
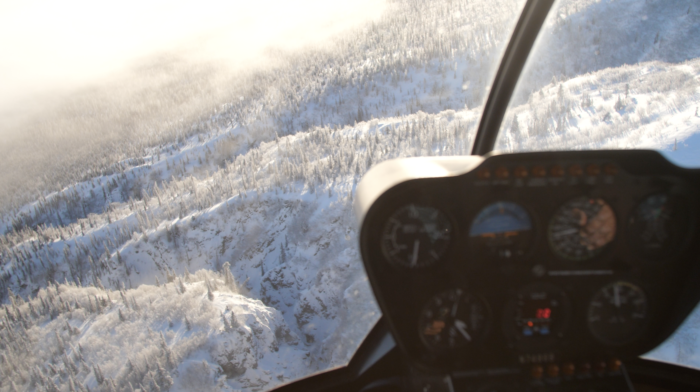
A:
[452,319]
[416,236]
[581,228]
[618,313]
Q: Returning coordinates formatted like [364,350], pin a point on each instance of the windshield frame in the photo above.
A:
[521,42]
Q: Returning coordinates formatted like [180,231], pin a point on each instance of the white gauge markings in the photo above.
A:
[416,236]
[452,319]
[617,313]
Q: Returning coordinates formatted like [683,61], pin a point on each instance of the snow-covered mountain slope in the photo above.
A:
[191,334]
[648,105]
[420,55]
[583,36]
[265,195]
[395,67]
[288,232]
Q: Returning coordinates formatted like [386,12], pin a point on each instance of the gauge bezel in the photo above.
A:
[473,245]
[632,339]
[600,252]
[536,343]
[454,232]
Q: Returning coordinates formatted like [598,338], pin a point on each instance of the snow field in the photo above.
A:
[651,105]
[194,330]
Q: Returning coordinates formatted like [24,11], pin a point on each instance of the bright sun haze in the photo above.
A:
[52,48]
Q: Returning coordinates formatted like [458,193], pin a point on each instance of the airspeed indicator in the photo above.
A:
[416,236]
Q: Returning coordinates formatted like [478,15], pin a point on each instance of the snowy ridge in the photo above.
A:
[290,243]
[56,340]
[584,36]
[427,56]
[650,105]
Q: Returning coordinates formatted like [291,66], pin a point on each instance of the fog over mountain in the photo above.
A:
[87,84]
[217,236]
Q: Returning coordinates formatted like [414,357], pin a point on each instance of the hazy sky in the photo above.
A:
[53,47]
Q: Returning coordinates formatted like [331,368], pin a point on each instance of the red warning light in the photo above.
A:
[544,313]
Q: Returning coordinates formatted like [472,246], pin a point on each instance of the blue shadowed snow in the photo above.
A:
[687,152]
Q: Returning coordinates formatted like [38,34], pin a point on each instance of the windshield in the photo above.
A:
[610,75]
[177,181]
[614,75]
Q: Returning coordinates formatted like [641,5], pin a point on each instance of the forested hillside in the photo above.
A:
[420,56]
[225,252]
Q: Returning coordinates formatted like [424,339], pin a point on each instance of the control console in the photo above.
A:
[545,269]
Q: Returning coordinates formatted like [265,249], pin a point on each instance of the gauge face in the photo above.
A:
[540,312]
[617,313]
[502,230]
[657,226]
[416,236]
[581,228]
[452,319]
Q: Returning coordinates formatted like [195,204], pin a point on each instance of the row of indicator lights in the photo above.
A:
[574,170]
[569,369]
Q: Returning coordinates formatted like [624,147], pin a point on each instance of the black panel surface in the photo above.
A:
[540,183]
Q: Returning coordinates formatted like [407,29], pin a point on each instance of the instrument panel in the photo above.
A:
[532,257]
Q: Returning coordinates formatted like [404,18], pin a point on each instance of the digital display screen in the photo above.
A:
[544,313]
[536,316]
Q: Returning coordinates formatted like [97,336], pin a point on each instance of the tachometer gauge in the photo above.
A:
[416,236]
[617,313]
[452,319]
[502,230]
[657,226]
[581,228]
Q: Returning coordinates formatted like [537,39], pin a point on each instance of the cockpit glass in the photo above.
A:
[177,179]
[614,75]
[611,75]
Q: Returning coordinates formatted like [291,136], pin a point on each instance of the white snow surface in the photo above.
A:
[650,105]
[167,335]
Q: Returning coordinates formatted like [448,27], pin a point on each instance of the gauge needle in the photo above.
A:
[454,309]
[462,328]
[616,291]
[566,232]
[414,259]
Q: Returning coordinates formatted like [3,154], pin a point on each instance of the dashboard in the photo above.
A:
[561,263]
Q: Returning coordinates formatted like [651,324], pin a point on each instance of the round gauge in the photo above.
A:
[581,228]
[416,236]
[502,230]
[617,313]
[539,311]
[452,319]
[657,226]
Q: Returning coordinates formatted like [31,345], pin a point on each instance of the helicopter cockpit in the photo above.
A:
[534,271]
